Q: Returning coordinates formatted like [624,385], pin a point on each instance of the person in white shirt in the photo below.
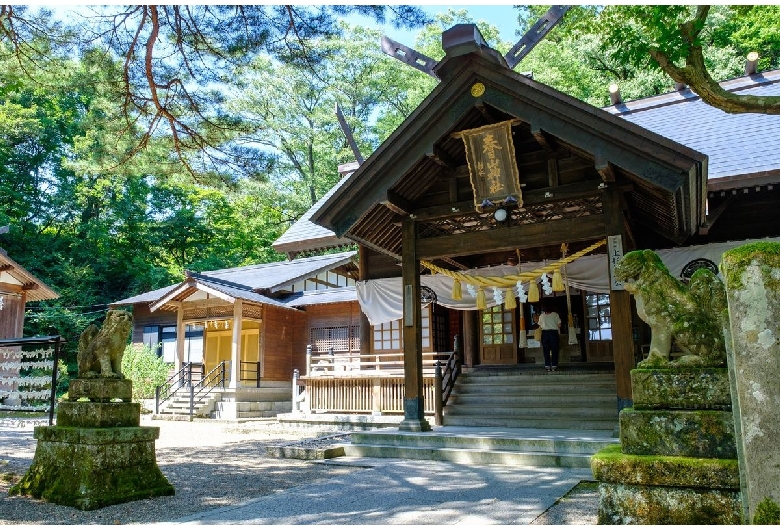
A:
[550,322]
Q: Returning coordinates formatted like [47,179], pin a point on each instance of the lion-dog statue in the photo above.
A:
[693,316]
[100,351]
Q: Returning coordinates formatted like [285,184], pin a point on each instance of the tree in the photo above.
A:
[174,58]
[676,39]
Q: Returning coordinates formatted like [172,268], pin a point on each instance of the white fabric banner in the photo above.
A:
[382,300]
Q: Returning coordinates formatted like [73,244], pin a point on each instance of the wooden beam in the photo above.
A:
[605,169]
[540,196]
[543,139]
[32,286]
[620,304]
[409,56]
[512,237]
[414,404]
[396,203]
[442,159]
[552,172]
[455,264]
[6,267]
[713,214]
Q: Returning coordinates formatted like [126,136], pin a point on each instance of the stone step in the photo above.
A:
[470,456]
[532,423]
[535,400]
[540,448]
[555,412]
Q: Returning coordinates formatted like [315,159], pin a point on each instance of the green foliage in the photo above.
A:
[767,512]
[145,369]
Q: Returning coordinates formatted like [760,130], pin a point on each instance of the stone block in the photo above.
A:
[752,275]
[92,468]
[100,390]
[654,505]
[699,434]
[611,465]
[89,414]
[681,388]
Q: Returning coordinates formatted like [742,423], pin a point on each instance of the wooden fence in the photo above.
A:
[362,384]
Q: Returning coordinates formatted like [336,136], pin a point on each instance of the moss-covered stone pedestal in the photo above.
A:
[97,454]
[676,462]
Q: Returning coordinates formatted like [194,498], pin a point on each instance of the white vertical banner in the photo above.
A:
[615,252]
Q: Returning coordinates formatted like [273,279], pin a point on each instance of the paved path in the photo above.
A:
[391,491]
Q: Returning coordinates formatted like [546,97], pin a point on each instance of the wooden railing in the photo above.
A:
[349,363]
[373,383]
[362,394]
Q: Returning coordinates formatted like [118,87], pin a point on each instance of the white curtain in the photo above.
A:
[382,300]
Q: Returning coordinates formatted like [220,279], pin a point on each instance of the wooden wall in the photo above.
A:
[277,341]
[143,317]
[12,315]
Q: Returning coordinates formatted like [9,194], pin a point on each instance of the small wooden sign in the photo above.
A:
[615,251]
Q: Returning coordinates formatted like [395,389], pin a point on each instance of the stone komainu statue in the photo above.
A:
[693,316]
[100,351]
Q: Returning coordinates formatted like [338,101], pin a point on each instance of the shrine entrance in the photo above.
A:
[498,336]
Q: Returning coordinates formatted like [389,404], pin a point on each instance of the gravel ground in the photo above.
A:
[212,465]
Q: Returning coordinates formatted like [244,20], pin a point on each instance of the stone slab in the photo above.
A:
[752,275]
[612,465]
[681,388]
[699,434]
[100,390]
[621,504]
[88,414]
[89,470]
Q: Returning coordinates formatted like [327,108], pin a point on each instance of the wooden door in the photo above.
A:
[497,336]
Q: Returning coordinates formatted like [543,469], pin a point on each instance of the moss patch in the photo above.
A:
[767,512]
[734,262]
[611,465]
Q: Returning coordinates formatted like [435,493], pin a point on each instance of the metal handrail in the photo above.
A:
[179,380]
[446,376]
[215,378]
[255,368]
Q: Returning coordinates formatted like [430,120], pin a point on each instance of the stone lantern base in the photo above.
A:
[97,454]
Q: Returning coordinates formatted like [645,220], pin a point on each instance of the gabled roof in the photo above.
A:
[280,274]
[246,282]
[669,178]
[220,289]
[304,235]
[14,274]
[741,147]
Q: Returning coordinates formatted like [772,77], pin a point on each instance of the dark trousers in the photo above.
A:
[551,344]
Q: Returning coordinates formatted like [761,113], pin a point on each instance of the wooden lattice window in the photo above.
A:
[339,338]
[599,317]
[497,326]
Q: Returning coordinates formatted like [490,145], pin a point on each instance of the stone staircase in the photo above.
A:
[567,399]
[471,445]
[512,417]
[270,399]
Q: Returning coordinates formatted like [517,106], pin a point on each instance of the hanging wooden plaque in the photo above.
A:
[490,154]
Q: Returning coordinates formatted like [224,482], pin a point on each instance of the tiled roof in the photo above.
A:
[270,276]
[304,235]
[325,296]
[238,292]
[277,275]
[736,144]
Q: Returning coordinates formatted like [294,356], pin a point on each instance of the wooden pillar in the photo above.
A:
[620,306]
[235,351]
[365,326]
[470,340]
[180,334]
[414,406]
